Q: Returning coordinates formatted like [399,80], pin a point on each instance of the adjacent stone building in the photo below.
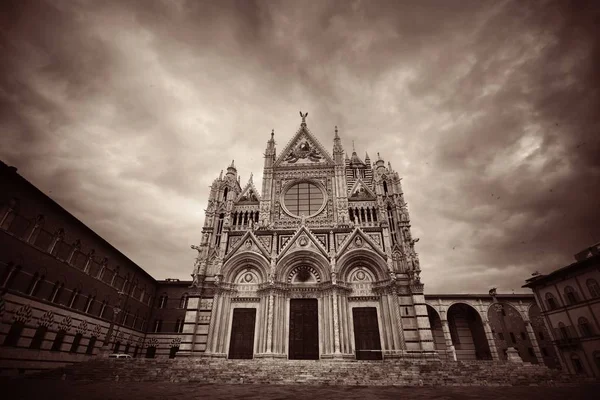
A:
[570,301]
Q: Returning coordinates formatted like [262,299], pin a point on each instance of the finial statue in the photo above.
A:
[304,115]
[272,133]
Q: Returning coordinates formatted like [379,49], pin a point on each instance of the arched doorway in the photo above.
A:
[439,341]
[468,335]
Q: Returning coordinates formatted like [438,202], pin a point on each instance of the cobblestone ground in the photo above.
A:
[32,389]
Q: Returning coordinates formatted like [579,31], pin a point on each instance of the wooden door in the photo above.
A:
[304,329]
[241,344]
[366,333]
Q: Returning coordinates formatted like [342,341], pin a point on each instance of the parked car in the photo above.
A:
[119,355]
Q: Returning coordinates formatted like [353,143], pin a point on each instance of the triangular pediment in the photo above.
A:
[249,194]
[303,239]
[248,242]
[359,240]
[303,149]
[361,191]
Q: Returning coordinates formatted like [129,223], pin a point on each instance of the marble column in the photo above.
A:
[336,325]
[269,324]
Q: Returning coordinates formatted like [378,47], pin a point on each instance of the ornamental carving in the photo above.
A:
[303,150]
[47,319]
[23,314]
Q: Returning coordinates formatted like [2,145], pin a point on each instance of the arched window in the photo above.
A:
[102,309]
[184,301]
[593,287]
[74,297]
[12,338]
[564,332]
[157,325]
[577,365]
[225,194]
[385,188]
[38,337]
[571,295]
[178,326]
[89,303]
[56,292]
[163,301]
[596,356]
[58,340]
[219,230]
[584,327]
[11,275]
[551,301]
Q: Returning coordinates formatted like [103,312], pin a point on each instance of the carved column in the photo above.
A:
[270,324]
[450,350]
[213,322]
[336,324]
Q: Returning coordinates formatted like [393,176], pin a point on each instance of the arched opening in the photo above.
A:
[543,337]
[151,352]
[509,330]
[468,335]
[439,341]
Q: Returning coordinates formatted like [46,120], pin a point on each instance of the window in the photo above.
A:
[151,352]
[584,327]
[102,309]
[178,326]
[392,223]
[593,288]
[173,352]
[88,304]
[157,325]
[544,352]
[90,346]
[163,301]
[523,336]
[75,344]
[385,188]
[564,333]
[58,340]
[219,230]
[12,338]
[38,337]
[551,301]
[33,283]
[571,295]
[531,352]
[73,300]
[512,337]
[183,301]
[117,347]
[12,275]
[541,335]
[225,194]
[577,365]
[56,292]
[303,199]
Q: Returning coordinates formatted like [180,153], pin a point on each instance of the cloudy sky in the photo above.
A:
[128,110]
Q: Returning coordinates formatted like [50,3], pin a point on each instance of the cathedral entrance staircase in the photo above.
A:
[309,372]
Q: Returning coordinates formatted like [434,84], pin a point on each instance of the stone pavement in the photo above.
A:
[18,389]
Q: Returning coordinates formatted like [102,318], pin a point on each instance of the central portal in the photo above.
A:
[304,329]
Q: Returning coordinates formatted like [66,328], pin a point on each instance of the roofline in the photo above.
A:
[458,295]
[534,281]
[101,239]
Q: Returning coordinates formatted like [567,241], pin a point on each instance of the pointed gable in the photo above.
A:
[248,242]
[303,239]
[361,191]
[303,149]
[249,194]
[359,240]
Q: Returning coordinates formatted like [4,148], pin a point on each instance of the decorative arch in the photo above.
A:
[370,260]
[242,261]
[509,330]
[306,258]
[467,332]
[303,274]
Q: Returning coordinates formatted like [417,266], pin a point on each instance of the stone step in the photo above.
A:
[388,372]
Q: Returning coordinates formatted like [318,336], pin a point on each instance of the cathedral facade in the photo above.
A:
[319,264]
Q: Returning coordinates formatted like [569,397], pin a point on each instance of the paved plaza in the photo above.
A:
[37,389]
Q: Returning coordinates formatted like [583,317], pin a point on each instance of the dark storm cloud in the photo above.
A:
[128,110]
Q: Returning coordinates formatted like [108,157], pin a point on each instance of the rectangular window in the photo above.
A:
[523,337]
[12,338]
[512,337]
[90,346]
[531,352]
[75,344]
[38,337]
[58,340]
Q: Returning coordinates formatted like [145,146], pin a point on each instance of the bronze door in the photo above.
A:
[304,329]
[366,333]
[241,344]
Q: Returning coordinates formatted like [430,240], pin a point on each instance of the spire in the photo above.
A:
[336,133]
[221,175]
[337,147]
[231,170]
[232,164]
[367,159]
[353,148]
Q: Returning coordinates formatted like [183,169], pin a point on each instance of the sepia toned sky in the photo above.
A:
[127,110]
